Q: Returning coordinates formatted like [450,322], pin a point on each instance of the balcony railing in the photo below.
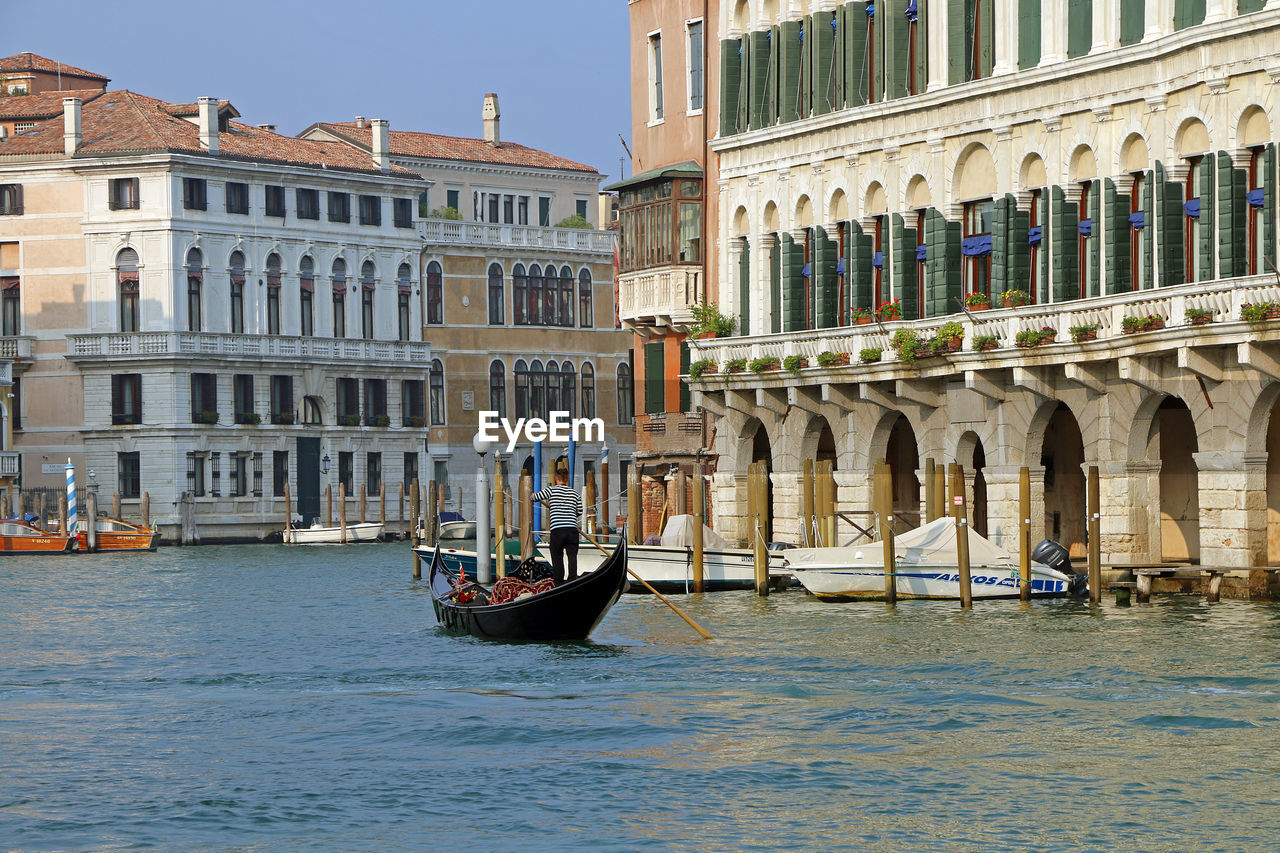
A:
[657,295]
[10,464]
[457,232]
[212,344]
[12,347]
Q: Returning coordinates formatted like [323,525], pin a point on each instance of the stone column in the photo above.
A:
[936,45]
[1053,31]
[1233,486]
[1002,504]
[1006,42]
[1159,19]
[784,513]
[1106,26]
[729,499]
[733,273]
[1130,511]
[853,495]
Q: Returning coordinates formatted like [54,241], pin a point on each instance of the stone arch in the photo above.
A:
[1263,436]
[918,194]
[1032,174]
[838,206]
[895,439]
[740,17]
[803,216]
[1083,165]
[975,174]
[1163,433]
[1191,137]
[1253,128]
[770,219]
[875,202]
[741,222]
[1134,154]
[769,12]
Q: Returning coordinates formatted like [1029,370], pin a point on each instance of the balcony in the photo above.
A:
[14,348]
[663,296]
[458,233]
[10,463]
[199,345]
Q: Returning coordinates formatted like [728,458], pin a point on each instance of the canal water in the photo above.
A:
[263,698]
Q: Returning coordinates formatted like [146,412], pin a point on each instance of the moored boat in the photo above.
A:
[570,611]
[369,531]
[115,534]
[927,567]
[19,537]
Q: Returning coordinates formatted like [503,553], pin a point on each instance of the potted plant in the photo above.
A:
[982,343]
[735,365]
[1087,332]
[207,416]
[909,346]
[1048,334]
[977,301]
[282,418]
[1014,298]
[701,366]
[417,421]
[1199,316]
[891,310]
[378,420]
[350,419]
[764,363]
[1254,313]
[708,322]
[832,359]
[1027,338]
[249,418]
[948,337]
[860,316]
[870,355]
[795,363]
[1133,325]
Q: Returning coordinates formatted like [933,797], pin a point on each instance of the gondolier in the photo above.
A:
[565,508]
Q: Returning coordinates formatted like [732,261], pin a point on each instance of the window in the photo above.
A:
[537,390]
[306,297]
[15,411]
[11,297]
[1191,217]
[123,194]
[237,197]
[195,288]
[452,199]
[568,389]
[195,474]
[979,34]
[544,211]
[274,198]
[580,207]
[519,295]
[373,472]
[130,468]
[508,209]
[588,390]
[242,399]
[273,294]
[126,399]
[10,199]
[655,77]
[410,470]
[435,294]
[1255,262]
[348,400]
[976,246]
[498,387]
[127,284]
[424,204]
[367,284]
[497,295]
[404,290]
[312,411]
[522,389]
[440,473]
[1084,239]
[413,403]
[282,399]
[522,210]
[661,224]
[402,212]
[339,207]
[204,398]
[695,66]
[257,474]
[195,194]
[370,210]
[533,311]
[236,317]
[239,475]
[346,470]
[494,201]
[437,392]
[550,314]
[690,222]
[279,473]
[339,281]
[375,403]
[308,203]
[626,398]
[566,296]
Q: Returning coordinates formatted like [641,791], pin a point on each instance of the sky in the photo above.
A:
[559,68]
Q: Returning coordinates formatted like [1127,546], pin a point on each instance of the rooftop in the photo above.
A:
[35,62]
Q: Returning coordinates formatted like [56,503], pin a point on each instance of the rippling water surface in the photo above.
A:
[271,698]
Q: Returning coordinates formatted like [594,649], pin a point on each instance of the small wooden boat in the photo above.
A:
[370,531]
[570,611]
[19,537]
[115,534]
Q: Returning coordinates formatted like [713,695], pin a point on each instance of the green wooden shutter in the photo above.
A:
[855,54]
[1133,21]
[1208,175]
[792,284]
[1171,257]
[775,285]
[1268,218]
[1063,218]
[684,371]
[896,30]
[1018,261]
[744,288]
[1246,7]
[807,85]
[1232,233]
[760,58]
[922,45]
[1187,13]
[826,288]
[789,81]
[1001,238]
[653,377]
[1079,27]
[1028,33]
[824,64]
[1147,236]
[904,269]
[730,84]
[837,75]
[773,112]
[957,49]
[942,265]
[858,272]
[1118,230]
[987,36]
[1095,240]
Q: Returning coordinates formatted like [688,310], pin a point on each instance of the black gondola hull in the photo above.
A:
[571,611]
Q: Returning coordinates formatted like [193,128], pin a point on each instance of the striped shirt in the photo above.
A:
[564,503]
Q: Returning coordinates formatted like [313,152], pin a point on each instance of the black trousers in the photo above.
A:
[564,540]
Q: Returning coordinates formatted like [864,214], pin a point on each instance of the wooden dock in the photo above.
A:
[1140,579]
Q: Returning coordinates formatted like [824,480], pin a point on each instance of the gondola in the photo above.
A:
[570,611]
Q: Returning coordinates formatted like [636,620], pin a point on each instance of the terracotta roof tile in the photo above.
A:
[405,143]
[123,121]
[42,105]
[35,62]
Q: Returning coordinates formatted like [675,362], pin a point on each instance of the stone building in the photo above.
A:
[1113,165]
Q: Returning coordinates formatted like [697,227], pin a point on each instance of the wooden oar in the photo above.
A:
[694,625]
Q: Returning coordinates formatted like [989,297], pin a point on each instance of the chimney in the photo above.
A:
[361,121]
[71,133]
[209,124]
[381,144]
[270,128]
[491,116]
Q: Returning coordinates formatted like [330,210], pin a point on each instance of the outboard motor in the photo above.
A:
[1056,557]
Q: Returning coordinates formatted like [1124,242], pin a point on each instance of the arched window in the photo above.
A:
[339,281]
[312,411]
[588,390]
[569,387]
[519,295]
[273,294]
[626,397]
[497,295]
[537,390]
[533,315]
[566,296]
[236,318]
[127,283]
[404,290]
[436,396]
[522,389]
[435,294]
[550,316]
[586,317]
[367,279]
[306,296]
[552,375]
[195,289]
[498,388]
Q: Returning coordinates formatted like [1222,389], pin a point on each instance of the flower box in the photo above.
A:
[986,346]
[862,321]
[833,359]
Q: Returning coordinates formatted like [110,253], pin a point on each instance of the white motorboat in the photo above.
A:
[927,567]
[369,531]
[668,567]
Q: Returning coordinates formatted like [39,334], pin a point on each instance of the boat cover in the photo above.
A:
[932,544]
[679,534]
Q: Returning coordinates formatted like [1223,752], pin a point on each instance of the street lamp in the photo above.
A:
[484,572]
[324,464]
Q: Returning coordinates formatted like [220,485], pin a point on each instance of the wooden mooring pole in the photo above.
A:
[62,515]
[760,534]
[526,515]
[288,514]
[342,513]
[930,492]
[699,511]
[499,519]
[882,490]
[91,520]
[940,490]
[363,503]
[1095,536]
[808,520]
[328,504]
[1024,532]
[144,511]
[414,530]
[635,520]
[960,513]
